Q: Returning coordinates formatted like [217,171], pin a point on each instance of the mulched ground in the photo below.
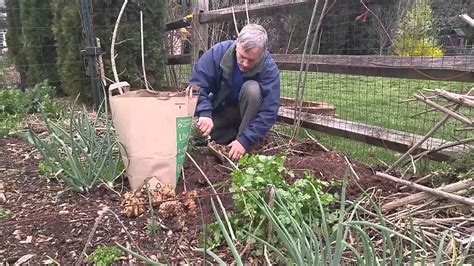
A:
[47,226]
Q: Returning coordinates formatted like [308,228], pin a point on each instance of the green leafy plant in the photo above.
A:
[45,170]
[4,213]
[352,240]
[80,151]
[258,171]
[104,255]
[16,104]
[252,177]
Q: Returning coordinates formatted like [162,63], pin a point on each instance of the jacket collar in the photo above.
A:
[227,63]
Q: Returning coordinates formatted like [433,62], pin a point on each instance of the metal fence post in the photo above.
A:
[92,52]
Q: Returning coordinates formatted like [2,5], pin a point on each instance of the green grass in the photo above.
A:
[375,101]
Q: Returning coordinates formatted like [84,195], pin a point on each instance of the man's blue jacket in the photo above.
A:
[213,74]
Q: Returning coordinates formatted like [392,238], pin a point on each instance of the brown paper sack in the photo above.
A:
[153,128]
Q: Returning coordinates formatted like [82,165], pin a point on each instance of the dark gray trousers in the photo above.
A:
[232,120]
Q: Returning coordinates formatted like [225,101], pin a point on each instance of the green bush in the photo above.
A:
[425,47]
[416,32]
[16,104]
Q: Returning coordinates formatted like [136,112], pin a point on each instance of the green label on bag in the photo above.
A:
[183,129]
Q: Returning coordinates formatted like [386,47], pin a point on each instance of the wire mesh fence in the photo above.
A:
[360,59]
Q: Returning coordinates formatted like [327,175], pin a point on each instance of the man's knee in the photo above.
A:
[250,90]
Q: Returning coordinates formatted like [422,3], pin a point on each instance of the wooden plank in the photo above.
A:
[448,68]
[257,9]
[378,136]
[184,59]
[200,32]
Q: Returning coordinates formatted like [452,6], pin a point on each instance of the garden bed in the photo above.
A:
[49,227]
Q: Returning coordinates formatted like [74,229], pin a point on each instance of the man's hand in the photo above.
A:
[236,150]
[205,125]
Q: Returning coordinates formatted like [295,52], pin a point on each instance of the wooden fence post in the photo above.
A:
[200,32]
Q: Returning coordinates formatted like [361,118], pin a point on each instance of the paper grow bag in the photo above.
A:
[153,128]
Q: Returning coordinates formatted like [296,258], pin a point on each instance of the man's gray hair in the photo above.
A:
[251,36]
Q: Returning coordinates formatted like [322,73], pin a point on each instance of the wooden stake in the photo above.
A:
[432,191]
[100,63]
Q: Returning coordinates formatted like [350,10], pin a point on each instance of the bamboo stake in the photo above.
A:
[432,191]
[451,113]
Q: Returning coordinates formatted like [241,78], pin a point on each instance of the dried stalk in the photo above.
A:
[298,86]
[94,228]
[114,36]
[301,85]
[316,141]
[235,21]
[352,169]
[445,146]
[247,12]
[143,50]
[432,110]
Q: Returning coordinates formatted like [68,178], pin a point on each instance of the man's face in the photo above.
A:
[249,58]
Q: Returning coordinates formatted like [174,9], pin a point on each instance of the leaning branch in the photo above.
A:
[451,113]
[432,191]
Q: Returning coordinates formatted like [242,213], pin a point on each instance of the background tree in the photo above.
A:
[128,46]
[417,34]
[39,46]
[383,29]
[67,32]
[15,39]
